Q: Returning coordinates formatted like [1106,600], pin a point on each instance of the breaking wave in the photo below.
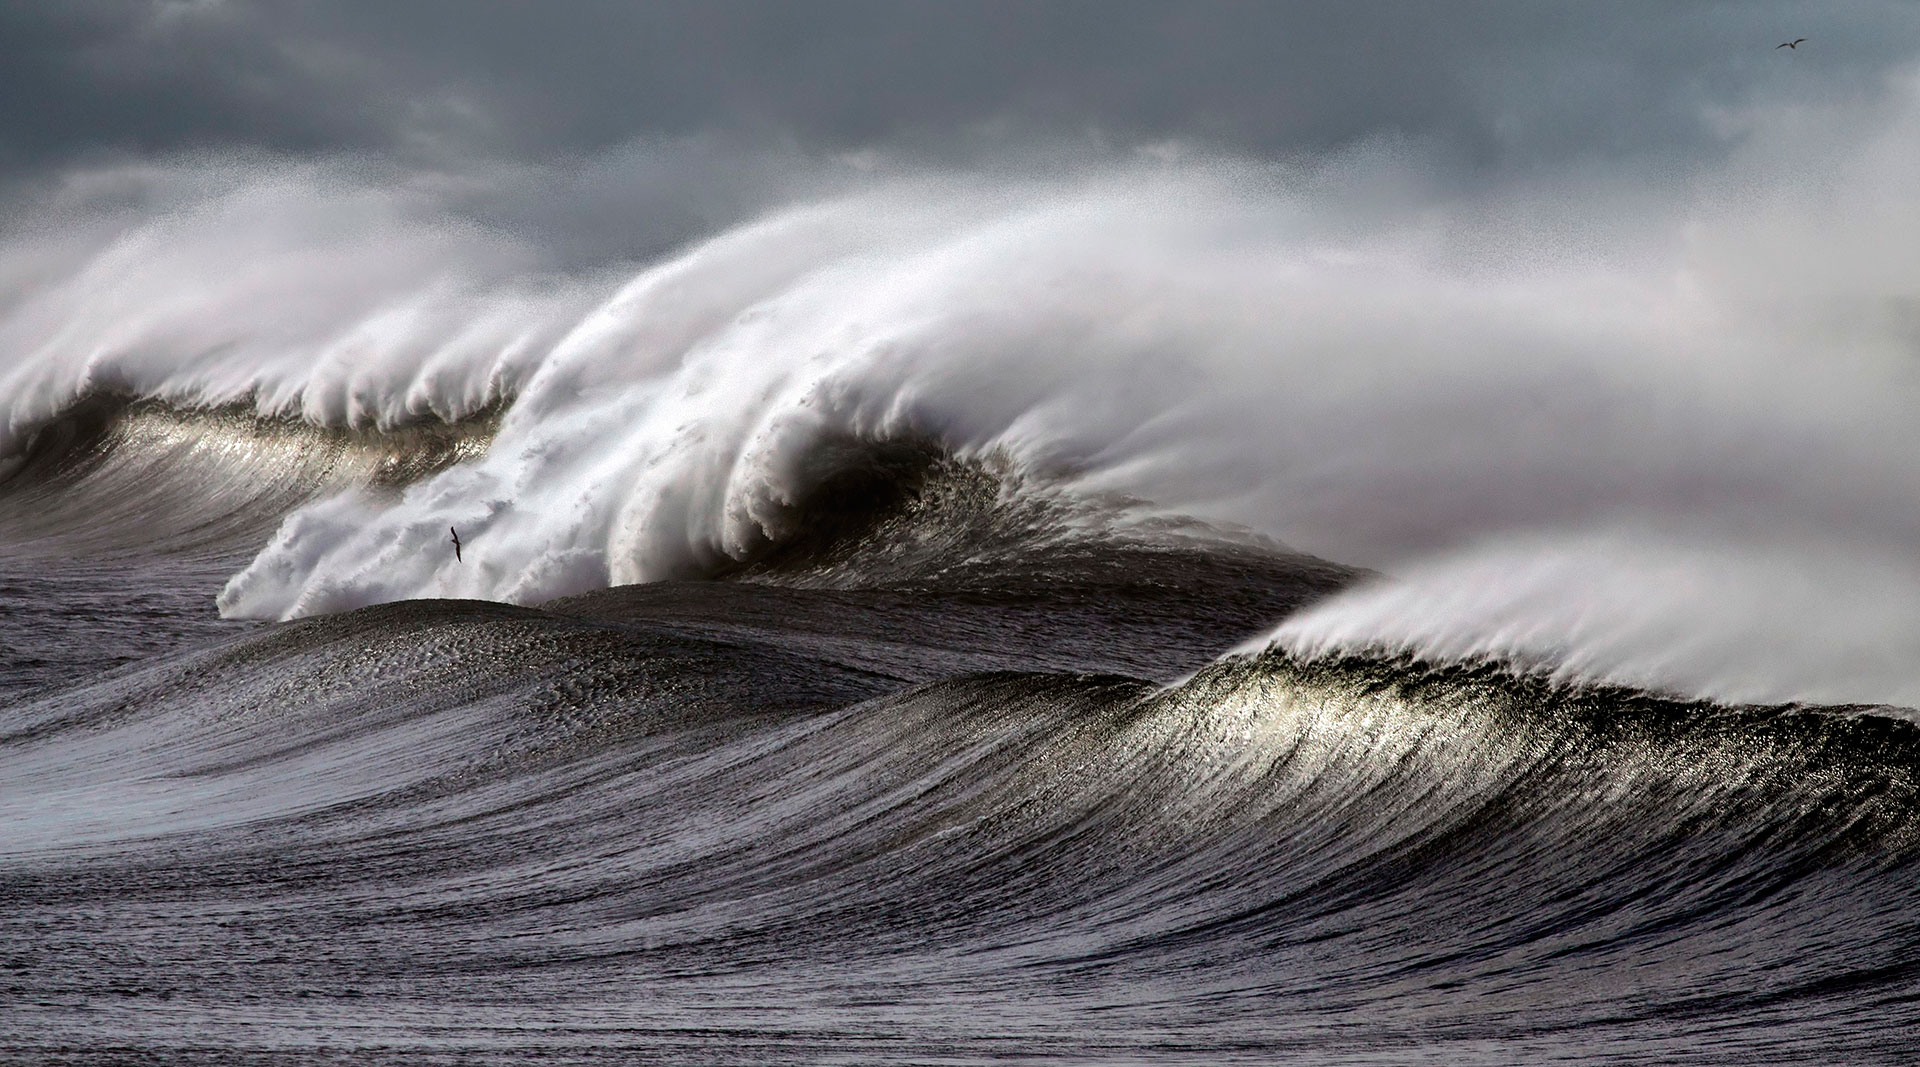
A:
[1531,416]
[841,659]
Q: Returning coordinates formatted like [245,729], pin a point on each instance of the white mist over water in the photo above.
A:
[1665,438]
[1810,620]
[298,290]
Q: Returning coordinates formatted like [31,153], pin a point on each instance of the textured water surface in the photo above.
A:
[928,785]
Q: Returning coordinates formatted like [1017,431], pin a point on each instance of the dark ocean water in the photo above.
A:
[933,779]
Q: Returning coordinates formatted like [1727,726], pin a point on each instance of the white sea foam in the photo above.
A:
[1664,435]
[1743,620]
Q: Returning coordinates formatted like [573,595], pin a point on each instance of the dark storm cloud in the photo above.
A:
[1497,82]
[143,77]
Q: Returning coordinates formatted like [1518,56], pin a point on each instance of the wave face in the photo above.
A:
[1191,611]
[705,821]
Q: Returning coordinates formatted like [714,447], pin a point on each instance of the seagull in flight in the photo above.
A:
[1794,44]
[456,543]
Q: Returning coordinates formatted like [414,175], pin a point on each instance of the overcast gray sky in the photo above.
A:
[1500,84]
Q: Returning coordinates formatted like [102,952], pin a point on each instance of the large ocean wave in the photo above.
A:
[1190,612]
[815,820]
[1661,437]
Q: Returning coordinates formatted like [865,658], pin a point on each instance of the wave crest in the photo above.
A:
[113,472]
[1381,374]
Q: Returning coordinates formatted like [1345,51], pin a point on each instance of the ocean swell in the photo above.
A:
[714,808]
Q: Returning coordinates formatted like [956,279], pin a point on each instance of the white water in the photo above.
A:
[1664,434]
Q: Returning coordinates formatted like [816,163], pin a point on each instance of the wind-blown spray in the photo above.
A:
[1557,450]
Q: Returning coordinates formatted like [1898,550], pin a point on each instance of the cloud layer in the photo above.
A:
[1502,84]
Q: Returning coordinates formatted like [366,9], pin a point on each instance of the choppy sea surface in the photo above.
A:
[943,778]
[1157,612]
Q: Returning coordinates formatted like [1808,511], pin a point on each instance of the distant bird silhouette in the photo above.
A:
[456,543]
[1795,44]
